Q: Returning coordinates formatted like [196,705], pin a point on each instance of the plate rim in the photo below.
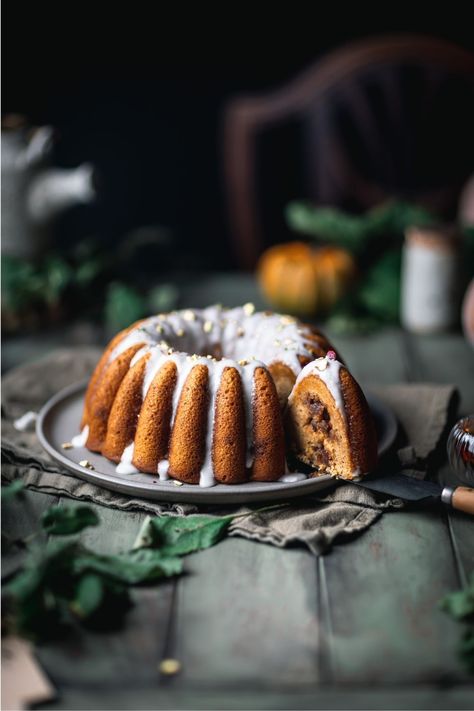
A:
[164,491]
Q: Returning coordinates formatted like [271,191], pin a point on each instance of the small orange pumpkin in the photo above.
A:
[300,279]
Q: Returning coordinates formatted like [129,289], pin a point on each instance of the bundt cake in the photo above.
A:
[220,395]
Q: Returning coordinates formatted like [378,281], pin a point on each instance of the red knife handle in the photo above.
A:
[461,498]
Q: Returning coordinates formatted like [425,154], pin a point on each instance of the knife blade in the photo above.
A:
[410,489]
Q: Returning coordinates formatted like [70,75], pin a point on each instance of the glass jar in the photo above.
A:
[430,279]
[461,450]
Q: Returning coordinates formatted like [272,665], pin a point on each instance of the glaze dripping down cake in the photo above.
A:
[221,395]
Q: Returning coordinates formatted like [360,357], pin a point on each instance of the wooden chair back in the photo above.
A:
[385,117]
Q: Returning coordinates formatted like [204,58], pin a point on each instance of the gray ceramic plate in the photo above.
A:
[59,420]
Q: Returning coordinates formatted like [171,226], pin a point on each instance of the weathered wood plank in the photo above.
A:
[384,591]
[461,531]
[445,358]
[247,613]
[353,697]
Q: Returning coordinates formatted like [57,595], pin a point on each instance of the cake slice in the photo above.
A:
[329,423]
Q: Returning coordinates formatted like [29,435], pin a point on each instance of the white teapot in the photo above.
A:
[33,193]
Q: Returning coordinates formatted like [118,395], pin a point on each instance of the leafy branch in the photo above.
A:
[460,605]
[63,583]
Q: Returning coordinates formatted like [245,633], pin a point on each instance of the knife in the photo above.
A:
[410,489]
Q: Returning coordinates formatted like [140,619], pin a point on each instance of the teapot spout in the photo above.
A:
[56,189]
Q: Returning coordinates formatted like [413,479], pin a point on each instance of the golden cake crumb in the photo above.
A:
[170,667]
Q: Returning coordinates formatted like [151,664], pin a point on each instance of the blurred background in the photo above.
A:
[151,162]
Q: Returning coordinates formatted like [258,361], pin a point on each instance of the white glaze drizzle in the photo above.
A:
[206,478]
[125,466]
[268,337]
[327,370]
[162,469]
[291,477]
[264,337]
[81,439]
[24,422]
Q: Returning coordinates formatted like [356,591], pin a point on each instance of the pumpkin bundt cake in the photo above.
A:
[219,395]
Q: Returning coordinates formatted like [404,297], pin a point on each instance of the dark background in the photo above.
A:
[139,91]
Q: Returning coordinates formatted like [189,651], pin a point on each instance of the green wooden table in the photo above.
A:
[259,627]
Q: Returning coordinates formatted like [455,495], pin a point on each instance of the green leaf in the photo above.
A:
[133,567]
[18,278]
[379,294]
[180,535]
[460,604]
[355,232]
[11,490]
[65,520]
[39,593]
[123,306]
[163,298]
[89,595]
[65,579]
[87,272]
[58,275]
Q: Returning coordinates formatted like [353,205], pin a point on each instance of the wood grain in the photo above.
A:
[386,624]
[247,613]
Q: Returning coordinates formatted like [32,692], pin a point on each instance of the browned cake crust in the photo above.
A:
[153,429]
[362,435]
[122,422]
[188,438]
[229,442]
[269,439]
[103,397]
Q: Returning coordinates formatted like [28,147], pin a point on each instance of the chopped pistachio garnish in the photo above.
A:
[86,464]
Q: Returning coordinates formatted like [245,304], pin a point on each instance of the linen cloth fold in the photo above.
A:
[315,521]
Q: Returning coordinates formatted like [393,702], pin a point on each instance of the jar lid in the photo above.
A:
[443,237]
